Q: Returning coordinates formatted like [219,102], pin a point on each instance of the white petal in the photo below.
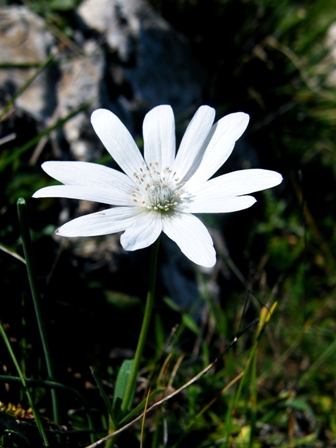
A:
[217,204]
[117,140]
[240,182]
[143,233]
[88,174]
[219,145]
[192,237]
[220,195]
[110,196]
[191,148]
[159,136]
[88,181]
[101,223]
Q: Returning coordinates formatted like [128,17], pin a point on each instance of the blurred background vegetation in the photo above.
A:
[275,61]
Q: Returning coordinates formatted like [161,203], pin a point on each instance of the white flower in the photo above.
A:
[161,191]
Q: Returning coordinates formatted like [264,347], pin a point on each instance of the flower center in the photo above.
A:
[159,191]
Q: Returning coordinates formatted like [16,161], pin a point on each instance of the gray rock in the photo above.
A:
[330,60]
[153,59]
[81,80]
[25,41]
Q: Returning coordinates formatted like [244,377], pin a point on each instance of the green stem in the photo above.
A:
[15,153]
[28,252]
[126,403]
[25,86]
[24,384]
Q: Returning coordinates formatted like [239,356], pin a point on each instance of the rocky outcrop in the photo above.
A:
[123,56]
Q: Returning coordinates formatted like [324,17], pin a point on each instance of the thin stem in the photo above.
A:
[28,252]
[24,384]
[40,69]
[126,403]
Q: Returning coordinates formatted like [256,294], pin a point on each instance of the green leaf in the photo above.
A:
[190,323]
[120,300]
[141,406]
[121,384]
[105,398]
[62,5]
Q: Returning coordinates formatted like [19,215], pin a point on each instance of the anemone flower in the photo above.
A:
[161,191]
